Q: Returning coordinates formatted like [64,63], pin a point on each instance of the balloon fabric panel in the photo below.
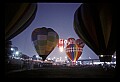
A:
[21,19]
[94,25]
[73,51]
[78,27]
[106,22]
[89,24]
[44,40]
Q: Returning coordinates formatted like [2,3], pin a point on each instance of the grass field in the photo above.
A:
[64,72]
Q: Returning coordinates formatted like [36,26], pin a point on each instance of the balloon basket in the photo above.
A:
[73,63]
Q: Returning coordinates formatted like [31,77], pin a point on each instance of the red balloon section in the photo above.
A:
[73,48]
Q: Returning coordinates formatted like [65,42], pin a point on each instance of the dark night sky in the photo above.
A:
[58,16]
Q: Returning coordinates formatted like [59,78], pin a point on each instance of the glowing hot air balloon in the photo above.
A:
[61,44]
[94,24]
[73,52]
[44,40]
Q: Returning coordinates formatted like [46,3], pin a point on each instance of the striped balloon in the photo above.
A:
[73,52]
[44,40]
[94,24]
[18,16]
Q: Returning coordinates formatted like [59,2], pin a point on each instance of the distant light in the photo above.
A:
[37,56]
[54,57]
[17,52]
[12,49]
[65,57]
[115,57]
[49,59]
[108,62]
[89,57]
[97,63]
[61,49]
[101,55]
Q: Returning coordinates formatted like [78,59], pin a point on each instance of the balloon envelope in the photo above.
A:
[70,41]
[60,43]
[94,25]
[73,52]
[44,40]
[18,16]
[80,42]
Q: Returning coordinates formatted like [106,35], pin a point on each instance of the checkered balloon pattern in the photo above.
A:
[44,40]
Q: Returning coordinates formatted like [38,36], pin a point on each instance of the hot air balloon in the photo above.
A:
[80,42]
[94,24]
[18,16]
[61,44]
[70,41]
[44,40]
[73,52]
